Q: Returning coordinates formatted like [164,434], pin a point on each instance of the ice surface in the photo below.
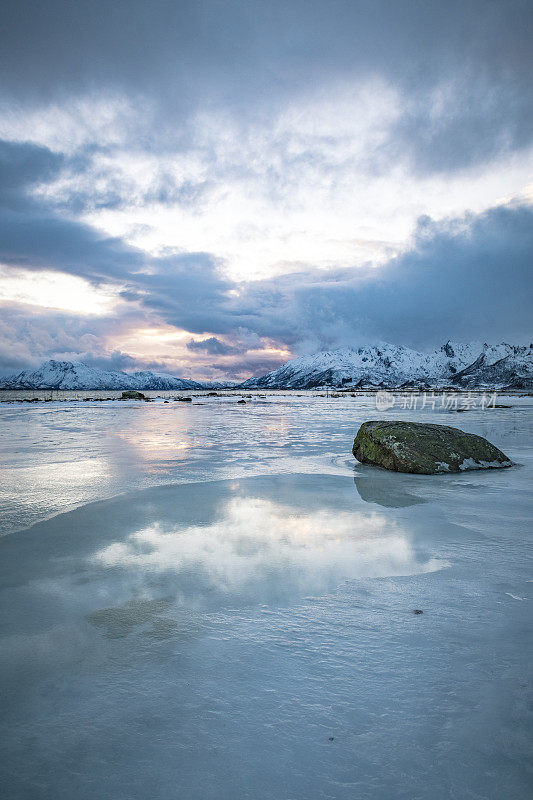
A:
[235,618]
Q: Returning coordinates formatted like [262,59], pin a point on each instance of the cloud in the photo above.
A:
[461,70]
[27,338]
[211,345]
[463,277]
[115,361]
[32,235]
[35,236]
[22,166]
[468,278]
[308,187]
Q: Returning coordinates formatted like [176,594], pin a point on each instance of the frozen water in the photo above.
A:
[234,619]
[59,454]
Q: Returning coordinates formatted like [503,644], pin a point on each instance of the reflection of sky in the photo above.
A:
[258,548]
[170,554]
[151,441]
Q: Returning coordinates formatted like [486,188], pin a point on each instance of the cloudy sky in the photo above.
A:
[211,187]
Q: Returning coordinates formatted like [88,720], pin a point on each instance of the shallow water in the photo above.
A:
[236,618]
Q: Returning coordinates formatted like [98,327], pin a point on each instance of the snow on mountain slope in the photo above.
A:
[514,369]
[157,380]
[387,365]
[72,375]
[457,364]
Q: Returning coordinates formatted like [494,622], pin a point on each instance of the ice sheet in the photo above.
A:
[57,455]
[254,637]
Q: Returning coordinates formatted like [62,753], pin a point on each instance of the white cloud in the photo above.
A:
[105,120]
[313,186]
[257,547]
[54,290]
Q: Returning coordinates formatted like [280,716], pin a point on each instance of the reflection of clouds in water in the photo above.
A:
[258,544]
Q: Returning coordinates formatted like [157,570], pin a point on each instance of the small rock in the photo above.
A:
[241,401]
[132,394]
[417,611]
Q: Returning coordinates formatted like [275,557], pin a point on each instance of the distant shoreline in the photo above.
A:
[102,395]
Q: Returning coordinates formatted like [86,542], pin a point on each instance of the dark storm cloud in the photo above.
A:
[44,241]
[211,345]
[247,365]
[21,167]
[187,290]
[472,275]
[115,361]
[33,235]
[466,278]
[462,69]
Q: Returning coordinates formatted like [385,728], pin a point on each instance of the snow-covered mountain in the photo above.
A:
[74,375]
[454,364]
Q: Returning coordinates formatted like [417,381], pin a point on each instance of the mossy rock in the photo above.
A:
[131,394]
[424,448]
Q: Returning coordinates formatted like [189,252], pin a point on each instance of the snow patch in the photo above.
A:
[471,463]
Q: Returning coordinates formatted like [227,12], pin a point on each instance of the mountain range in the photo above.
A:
[385,365]
[75,375]
[459,365]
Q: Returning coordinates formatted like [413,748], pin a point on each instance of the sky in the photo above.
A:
[210,188]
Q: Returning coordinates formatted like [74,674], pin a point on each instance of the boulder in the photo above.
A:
[424,448]
[131,394]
